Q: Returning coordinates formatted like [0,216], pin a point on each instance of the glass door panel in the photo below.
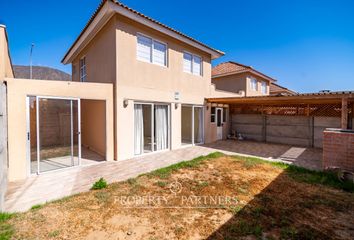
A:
[32,133]
[198,125]
[186,125]
[57,122]
[76,132]
[143,137]
[161,127]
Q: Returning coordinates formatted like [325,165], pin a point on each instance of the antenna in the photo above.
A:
[32,46]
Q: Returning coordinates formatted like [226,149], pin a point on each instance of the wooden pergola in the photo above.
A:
[306,104]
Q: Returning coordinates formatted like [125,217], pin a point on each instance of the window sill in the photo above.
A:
[155,64]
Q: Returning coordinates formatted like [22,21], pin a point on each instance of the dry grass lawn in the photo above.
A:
[273,202]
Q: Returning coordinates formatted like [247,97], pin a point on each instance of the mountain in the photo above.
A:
[41,73]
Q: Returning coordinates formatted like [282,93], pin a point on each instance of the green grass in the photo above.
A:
[37,206]
[166,172]
[100,184]
[301,174]
[161,184]
[4,216]
[6,229]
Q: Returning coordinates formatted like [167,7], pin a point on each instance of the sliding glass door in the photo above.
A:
[192,125]
[53,133]
[151,127]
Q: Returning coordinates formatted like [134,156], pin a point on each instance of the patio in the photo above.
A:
[22,195]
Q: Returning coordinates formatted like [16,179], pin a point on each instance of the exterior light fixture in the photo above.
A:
[125,103]
[176,105]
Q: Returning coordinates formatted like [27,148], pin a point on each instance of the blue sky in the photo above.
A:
[306,45]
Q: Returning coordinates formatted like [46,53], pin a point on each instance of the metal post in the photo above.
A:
[32,46]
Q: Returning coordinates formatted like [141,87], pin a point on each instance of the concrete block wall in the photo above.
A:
[293,130]
[338,149]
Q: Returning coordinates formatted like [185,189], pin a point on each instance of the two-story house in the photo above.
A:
[161,78]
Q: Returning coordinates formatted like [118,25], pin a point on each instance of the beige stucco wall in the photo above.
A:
[240,82]
[18,89]
[5,62]
[141,81]
[100,56]
[93,125]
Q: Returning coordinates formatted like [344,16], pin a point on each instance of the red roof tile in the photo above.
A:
[228,68]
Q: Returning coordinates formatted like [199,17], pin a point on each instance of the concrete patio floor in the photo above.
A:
[22,195]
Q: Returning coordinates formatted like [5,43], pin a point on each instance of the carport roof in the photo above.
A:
[302,98]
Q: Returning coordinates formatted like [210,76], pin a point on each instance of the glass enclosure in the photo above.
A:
[54,133]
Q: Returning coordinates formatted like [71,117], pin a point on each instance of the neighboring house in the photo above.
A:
[238,78]
[276,89]
[41,73]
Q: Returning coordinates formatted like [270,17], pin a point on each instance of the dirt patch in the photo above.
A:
[266,202]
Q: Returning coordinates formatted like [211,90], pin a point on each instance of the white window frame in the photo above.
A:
[264,87]
[153,40]
[254,87]
[192,60]
[82,69]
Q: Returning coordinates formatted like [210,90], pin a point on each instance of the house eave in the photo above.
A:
[107,10]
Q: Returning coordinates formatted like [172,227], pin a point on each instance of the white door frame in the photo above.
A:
[28,128]
[219,129]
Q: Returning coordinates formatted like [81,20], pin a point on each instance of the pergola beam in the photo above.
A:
[344,117]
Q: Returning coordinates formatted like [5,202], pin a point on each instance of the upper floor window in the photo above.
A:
[152,51]
[254,84]
[192,64]
[83,74]
[264,88]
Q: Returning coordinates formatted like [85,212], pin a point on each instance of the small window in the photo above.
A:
[152,51]
[83,74]
[144,48]
[159,53]
[254,84]
[224,114]
[212,115]
[192,64]
[264,88]
[197,62]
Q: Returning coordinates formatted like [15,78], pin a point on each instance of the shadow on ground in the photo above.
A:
[288,209]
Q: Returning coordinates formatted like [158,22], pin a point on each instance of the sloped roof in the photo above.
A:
[40,73]
[140,15]
[231,67]
[276,89]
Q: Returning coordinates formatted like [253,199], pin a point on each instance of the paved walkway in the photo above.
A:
[22,195]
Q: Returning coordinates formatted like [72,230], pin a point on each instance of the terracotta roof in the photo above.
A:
[277,89]
[230,67]
[141,15]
